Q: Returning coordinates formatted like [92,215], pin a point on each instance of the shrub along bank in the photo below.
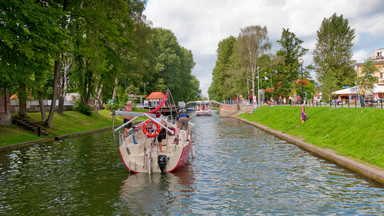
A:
[69,122]
[351,132]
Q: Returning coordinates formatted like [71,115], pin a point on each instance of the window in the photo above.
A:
[381,75]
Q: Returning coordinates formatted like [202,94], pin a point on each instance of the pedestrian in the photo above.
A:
[303,115]
[284,100]
[362,95]
[280,100]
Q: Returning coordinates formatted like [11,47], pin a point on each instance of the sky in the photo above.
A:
[199,25]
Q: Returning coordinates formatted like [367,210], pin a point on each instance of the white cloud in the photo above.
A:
[361,55]
[200,25]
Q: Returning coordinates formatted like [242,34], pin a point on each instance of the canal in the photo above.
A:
[237,169]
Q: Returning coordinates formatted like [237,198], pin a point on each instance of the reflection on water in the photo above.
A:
[237,169]
[156,193]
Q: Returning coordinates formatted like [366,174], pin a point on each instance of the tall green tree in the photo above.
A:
[31,37]
[368,80]
[251,44]
[291,51]
[173,64]
[221,75]
[333,53]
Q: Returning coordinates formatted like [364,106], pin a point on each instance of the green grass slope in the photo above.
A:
[354,132]
[69,122]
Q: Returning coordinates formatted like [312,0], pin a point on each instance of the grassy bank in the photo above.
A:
[69,122]
[353,132]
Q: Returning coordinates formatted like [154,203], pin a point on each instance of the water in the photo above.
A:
[237,169]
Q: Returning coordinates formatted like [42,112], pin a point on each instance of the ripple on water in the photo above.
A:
[237,170]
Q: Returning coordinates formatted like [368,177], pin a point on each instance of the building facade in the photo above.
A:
[378,61]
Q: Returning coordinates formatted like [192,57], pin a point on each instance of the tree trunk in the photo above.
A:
[42,110]
[22,100]
[99,98]
[54,95]
[60,108]
[115,89]
[64,80]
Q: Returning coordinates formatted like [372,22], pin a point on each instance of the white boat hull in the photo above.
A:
[140,158]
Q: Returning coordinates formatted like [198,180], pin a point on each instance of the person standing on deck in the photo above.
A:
[162,133]
[182,122]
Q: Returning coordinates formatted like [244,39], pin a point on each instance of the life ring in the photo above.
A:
[149,135]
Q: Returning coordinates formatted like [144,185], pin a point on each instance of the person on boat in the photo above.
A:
[127,108]
[162,133]
[182,122]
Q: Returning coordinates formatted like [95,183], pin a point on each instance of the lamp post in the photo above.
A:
[266,83]
[301,61]
[144,83]
[258,91]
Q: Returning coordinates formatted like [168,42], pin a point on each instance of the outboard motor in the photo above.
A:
[162,161]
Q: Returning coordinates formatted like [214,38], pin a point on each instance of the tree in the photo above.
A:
[368,79]
[251,44]
[217,90]
[30,40]
[291,50]
[333,52]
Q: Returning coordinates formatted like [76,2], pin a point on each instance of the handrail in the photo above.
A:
[123,125]
[126,113]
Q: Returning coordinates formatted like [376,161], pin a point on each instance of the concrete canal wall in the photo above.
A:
[231,110]
[370,171]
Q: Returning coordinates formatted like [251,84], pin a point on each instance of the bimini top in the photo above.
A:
[156,95]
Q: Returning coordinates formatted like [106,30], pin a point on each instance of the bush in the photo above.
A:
[86,110]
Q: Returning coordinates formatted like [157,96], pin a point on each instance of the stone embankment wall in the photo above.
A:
[232,110]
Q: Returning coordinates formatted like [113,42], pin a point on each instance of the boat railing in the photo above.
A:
[137,115]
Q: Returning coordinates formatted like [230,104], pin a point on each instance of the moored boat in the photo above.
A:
[140,150]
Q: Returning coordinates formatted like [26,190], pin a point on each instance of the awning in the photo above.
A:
[347,91]
[355,90]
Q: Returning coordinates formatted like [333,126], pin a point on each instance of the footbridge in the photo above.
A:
[212,102]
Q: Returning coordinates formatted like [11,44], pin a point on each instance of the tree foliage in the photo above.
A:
[221,75]
[368,80]
[112,46]
[333,52]
[291,51]
[252,43]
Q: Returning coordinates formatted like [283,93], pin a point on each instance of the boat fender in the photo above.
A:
[162,161]
[145,131]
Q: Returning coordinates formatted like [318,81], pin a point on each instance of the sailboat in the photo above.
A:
[139,149]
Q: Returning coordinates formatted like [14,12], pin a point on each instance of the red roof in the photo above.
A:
[156,95]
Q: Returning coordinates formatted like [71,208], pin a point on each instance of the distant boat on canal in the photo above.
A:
[203,109]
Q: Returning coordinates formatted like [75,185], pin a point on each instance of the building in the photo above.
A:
[378,61]
[352,93]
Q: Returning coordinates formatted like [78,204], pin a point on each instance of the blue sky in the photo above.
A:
[200,25]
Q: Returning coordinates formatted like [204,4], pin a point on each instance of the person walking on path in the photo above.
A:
[362,95]
[303,115]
